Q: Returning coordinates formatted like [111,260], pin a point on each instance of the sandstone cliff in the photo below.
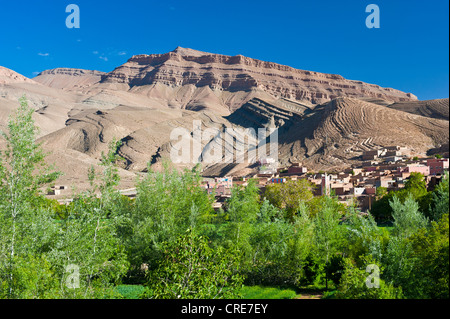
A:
[183,67]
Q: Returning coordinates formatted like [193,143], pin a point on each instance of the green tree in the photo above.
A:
[364,237]
[189,268]
[300,244]
[88,235]
[416,185]
[328,236]
[22,173]
[431,252]
[353,283]
[380,192]
[288,195]
[440,198]
[407,217]
[242,209]
[167,204]
[269,235]
[399,257]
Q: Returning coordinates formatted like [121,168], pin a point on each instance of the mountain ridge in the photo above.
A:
[324,121]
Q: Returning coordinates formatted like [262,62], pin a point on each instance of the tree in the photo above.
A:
[380,192]
[189,268]
[399,255]
[88,235]
[407,217]
[242,209]
[440,199]
[167,204]
[22,173]
[431,272]
[327,233]
[288,195]
[364,237]
[416,185]
[269,236]
[353,284]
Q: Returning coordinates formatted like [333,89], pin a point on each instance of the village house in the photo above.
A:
[354,184]
[437,165]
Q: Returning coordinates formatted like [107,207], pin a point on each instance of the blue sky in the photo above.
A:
[409,52]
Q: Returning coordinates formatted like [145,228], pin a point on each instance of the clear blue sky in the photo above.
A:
[409,52]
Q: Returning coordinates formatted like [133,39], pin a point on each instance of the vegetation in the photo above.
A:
[168,242]
[261,292]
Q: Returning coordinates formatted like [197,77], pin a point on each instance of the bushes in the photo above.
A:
[353,284]
[189,268]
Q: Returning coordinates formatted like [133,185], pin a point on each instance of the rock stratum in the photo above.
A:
[323,120]
[186,67]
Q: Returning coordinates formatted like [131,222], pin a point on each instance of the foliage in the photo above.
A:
[440,198]
[261,292]
[415,186]
[364,237]
[353,284]
[327,234]
[430,250]
[191,269]
[24,229]
[167,204]
[407,218]
[288,195]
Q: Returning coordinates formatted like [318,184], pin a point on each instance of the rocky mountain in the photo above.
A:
[221,73]
[323,120]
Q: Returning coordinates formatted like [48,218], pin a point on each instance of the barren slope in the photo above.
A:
[68,79]
[337,132]
[438,108]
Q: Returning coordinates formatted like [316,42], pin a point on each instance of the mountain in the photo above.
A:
[323,120]
[68,79]
[239,76]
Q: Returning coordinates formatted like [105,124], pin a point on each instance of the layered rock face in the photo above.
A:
[239,73]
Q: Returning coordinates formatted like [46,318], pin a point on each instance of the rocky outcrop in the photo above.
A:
[239,73]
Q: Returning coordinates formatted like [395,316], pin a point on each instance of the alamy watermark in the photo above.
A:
[73,278]
[373,280]
[73,19]
[373,19]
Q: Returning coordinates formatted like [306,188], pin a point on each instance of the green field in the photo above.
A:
[261,292]
[248,292]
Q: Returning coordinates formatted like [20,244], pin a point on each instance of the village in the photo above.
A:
[386,168]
